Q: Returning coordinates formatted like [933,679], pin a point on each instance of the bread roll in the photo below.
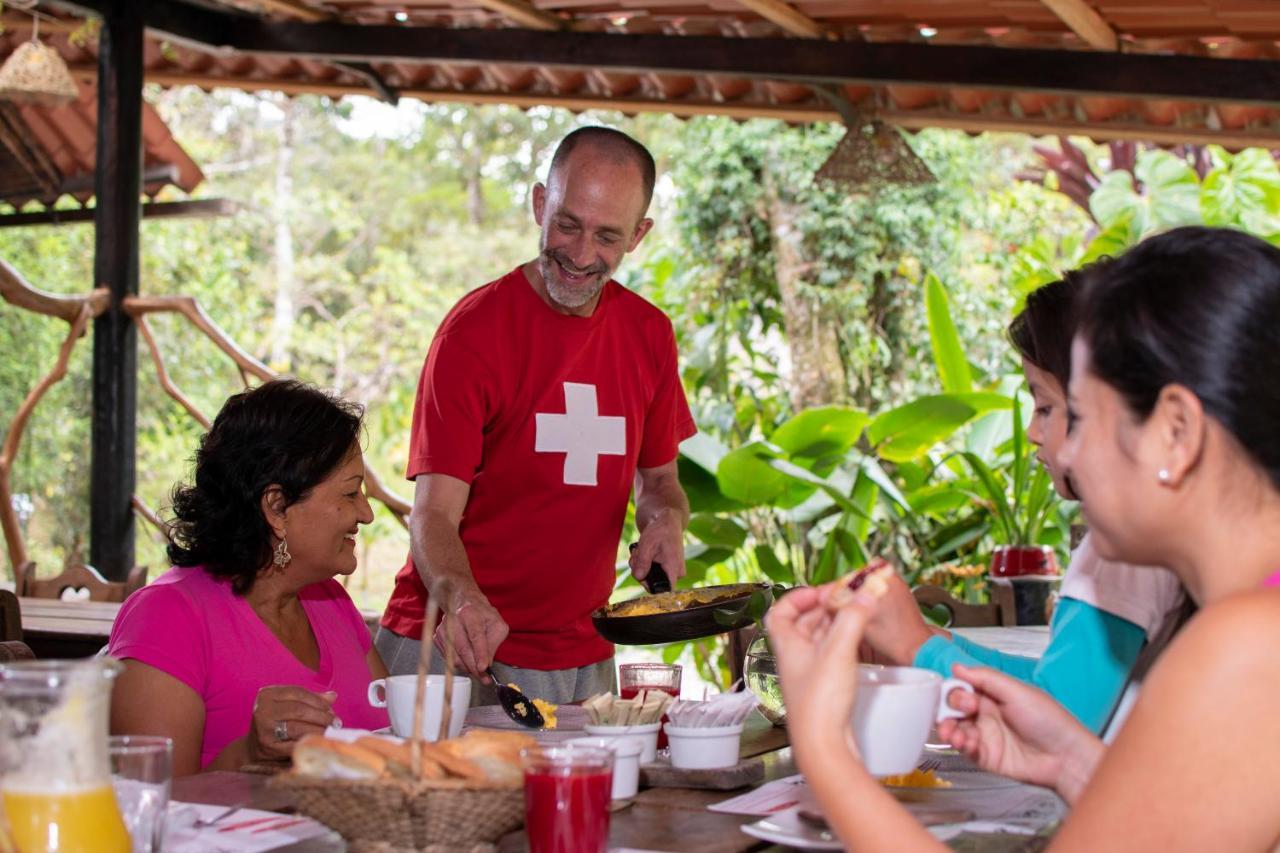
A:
[332,759]
[496,754]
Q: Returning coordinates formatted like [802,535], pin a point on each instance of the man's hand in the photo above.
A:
[662,542]
[662,511]
[477,630]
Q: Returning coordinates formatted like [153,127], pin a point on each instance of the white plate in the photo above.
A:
[787,828]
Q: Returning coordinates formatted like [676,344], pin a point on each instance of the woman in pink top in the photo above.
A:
[1174,408]
[249,642]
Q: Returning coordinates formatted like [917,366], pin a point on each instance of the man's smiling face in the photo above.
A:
[592,214]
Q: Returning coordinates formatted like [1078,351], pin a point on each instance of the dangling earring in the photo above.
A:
[1163,475]
[281,556]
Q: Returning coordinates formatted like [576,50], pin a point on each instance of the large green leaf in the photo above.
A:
[910,430]
[772,567]
[1170,194]
[1172,189]
[702,489]
[948,354]
[1115,201]
[715,530]
[1244,192]
[818,438]
[747,474]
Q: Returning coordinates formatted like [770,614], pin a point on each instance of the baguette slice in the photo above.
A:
[317,756]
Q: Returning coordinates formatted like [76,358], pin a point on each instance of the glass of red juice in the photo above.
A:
[634,677]
[566,798]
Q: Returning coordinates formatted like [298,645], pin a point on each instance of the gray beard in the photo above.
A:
[569,297]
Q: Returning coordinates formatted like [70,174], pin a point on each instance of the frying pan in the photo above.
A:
[728,611]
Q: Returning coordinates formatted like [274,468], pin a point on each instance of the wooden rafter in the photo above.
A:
[1085,22]
[524,14]
[293,9]
[1261,137]
[786,16]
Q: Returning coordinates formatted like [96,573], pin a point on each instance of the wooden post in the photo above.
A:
[118,189]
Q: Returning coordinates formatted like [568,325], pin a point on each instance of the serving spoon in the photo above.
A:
[517,705]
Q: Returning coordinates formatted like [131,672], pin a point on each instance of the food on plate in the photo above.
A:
[670,602]
[479,759]
[915,779]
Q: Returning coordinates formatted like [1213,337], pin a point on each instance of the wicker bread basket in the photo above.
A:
[407,815]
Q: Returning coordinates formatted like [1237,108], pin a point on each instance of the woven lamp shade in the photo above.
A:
[870,155]
[36,74]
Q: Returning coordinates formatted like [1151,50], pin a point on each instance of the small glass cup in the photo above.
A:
[566,798]
[141,774]
[634,677]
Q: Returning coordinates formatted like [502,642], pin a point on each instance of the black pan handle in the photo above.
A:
[656,581]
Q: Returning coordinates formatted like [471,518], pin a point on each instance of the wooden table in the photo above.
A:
[79,629]
[1025,640]
[66,629]
[664,819]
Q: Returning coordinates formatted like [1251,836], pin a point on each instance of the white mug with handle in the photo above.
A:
[396,693]
[894,710]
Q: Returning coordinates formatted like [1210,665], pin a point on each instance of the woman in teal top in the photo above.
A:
[1107,612]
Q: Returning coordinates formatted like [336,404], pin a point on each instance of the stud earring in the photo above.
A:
[281,556]
[1163,475]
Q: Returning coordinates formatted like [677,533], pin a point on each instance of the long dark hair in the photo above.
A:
[283,432]
[1198,307]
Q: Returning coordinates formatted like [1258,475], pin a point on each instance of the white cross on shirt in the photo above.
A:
[581,434]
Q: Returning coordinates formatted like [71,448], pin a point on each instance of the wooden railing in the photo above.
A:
[77,311]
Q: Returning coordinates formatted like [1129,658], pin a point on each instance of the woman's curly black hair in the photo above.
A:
[283,432]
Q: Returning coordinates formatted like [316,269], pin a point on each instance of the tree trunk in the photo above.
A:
[281,211]
[475,194]
[817,371]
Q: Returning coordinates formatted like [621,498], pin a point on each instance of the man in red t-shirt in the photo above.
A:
[546,397]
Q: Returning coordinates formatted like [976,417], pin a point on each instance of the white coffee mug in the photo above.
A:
[893,712]
[395,693]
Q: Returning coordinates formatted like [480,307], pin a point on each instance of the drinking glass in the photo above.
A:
[566,798]
[634,677]
[141,773]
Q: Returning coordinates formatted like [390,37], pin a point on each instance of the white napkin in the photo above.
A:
[727,709]
[245,831]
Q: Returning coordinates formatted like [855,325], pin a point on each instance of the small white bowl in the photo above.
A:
[626,761]
[701,749]
[648,734]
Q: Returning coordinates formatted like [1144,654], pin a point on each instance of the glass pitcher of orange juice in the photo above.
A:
[55,776]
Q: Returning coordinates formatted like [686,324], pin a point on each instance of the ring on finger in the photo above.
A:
[281,730]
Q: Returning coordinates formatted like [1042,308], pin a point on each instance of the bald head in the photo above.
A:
[612,145]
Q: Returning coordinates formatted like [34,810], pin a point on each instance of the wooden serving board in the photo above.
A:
[660,774]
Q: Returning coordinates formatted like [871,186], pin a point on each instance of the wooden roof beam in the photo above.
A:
[294,9]
[786,16]
[1085,22]
[806,61]
[524,13]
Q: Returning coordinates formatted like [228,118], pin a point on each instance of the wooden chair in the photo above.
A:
[962,614]
[10,617]
[75,580]
[15,650]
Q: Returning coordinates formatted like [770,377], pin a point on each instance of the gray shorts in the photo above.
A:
[559,686]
